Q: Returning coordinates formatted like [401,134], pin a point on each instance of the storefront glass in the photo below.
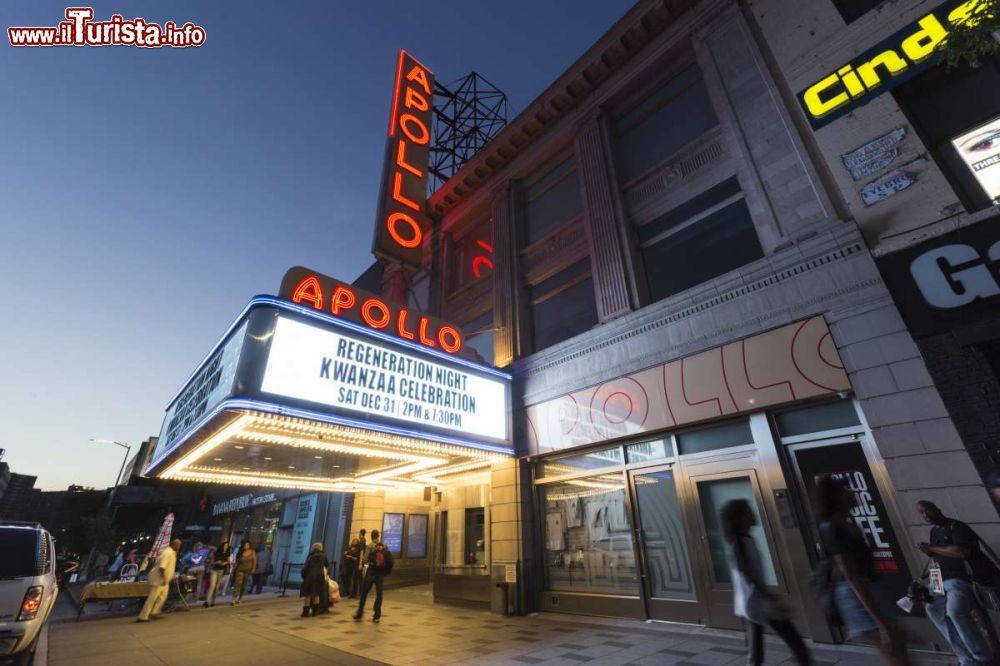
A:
[588,536]
[610,457]
[665,546]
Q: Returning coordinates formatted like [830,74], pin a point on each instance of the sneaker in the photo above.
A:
[357,616]
[139,619]
[376,619]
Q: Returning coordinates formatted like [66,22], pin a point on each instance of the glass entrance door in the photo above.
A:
[711,492]
[668,584]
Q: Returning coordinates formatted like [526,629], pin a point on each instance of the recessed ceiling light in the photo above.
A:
[218,459]
[246,468]
[266,458]
[291,467]
[238,447]
[318,457]
[336,465]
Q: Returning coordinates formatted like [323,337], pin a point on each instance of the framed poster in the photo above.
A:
[392,532]
[416,536]
[979,148]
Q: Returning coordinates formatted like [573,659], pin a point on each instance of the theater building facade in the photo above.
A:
[656,251]
[660,298]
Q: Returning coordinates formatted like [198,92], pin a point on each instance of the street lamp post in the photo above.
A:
[114,491]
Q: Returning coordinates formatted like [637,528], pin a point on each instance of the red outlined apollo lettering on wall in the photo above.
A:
[79,29]
[305,287]
[400,226]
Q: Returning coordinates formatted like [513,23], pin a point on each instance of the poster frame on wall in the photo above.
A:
[409,534]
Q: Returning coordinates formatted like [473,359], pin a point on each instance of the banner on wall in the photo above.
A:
[305,518]
[848,463]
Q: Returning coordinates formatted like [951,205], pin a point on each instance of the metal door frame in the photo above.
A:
[674,610]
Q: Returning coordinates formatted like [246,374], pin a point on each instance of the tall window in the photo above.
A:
[562,306]
[475,536]
[470,256]
[552,201]
[673,115]
[701,239]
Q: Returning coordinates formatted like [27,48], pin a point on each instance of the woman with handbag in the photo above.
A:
[752,601]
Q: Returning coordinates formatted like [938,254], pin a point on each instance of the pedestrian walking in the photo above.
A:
[359,573]
[752,601]
[246,562]
[261,571]
[314,591]
[220,569]
[378,564]
[349,562]
[862,603]
[159,582]
[957,561]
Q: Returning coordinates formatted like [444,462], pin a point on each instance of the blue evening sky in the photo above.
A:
[145,195]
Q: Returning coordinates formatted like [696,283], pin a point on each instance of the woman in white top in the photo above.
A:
[752,601]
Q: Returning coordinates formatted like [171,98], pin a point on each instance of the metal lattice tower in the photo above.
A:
[467,114]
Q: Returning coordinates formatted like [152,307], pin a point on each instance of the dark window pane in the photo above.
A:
[594,460]
[20,551]
[717,244]
[561,278]
[816,418]
[710,197]
[552,201]
[568,313]
[711,439]
[852,10]
[475,536]
[671,117]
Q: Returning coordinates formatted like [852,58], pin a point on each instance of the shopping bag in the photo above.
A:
[334,591]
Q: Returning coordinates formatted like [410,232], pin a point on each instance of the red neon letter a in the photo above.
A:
[418,75]
[310,291]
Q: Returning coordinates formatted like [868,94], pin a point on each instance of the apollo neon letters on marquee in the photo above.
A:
[324,293]
[399,229]
[884,66]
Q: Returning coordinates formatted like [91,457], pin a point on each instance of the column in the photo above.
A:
[505,278]
[607,251]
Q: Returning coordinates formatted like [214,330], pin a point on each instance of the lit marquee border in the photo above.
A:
[418,457]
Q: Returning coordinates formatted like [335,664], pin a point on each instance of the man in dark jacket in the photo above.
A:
[379,565]
[955,551]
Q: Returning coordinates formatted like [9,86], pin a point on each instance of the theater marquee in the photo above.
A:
[300,395]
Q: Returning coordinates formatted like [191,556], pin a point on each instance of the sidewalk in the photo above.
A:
[413,631]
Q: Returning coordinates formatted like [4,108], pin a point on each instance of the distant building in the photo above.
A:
[15,504]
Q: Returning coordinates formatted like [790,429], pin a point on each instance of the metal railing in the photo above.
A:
[286,570]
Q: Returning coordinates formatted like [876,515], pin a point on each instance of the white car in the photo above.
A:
[27,587]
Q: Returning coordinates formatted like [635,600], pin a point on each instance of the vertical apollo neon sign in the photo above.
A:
[400,227]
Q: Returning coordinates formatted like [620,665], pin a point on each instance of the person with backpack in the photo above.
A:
[379,565]
[752,601]
[862,604]
[957,562]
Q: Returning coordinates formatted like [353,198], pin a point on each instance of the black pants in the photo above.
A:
[359,582]
[785,630]
[350,582]
[258,583]
[376,580]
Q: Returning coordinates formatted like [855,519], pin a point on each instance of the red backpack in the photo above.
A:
[382,558]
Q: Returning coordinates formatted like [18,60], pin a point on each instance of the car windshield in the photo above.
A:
[19,548]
